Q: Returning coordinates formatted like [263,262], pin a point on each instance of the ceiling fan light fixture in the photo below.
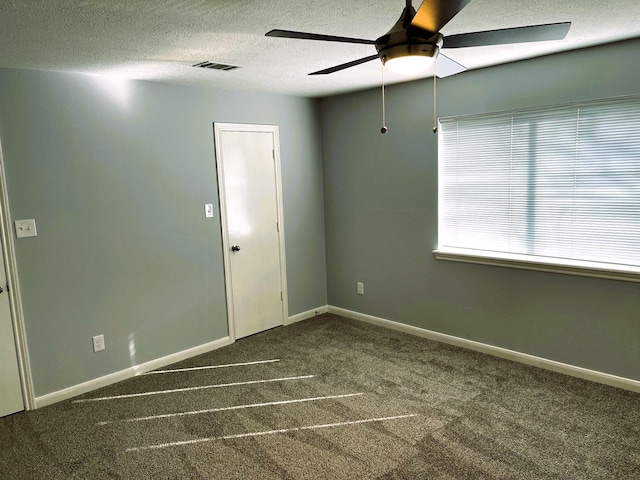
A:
[409,65]
[409,59]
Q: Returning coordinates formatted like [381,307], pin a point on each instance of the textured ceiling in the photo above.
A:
[161,39]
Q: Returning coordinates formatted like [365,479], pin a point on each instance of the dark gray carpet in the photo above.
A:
[346,400]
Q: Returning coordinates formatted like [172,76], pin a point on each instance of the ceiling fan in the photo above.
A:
[414,42]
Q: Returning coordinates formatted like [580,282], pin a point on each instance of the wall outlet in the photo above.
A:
[26,228]
[360,288]
[98,343]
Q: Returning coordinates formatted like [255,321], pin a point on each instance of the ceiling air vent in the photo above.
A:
[216,66]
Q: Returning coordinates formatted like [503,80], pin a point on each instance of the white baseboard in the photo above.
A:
[115,377]
[306,315]
[571,370]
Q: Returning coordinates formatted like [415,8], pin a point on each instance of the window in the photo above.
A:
[555,188]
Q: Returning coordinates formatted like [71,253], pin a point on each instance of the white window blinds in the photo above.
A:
[552,183]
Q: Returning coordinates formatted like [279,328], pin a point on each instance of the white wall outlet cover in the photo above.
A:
[25,228]
[98,343]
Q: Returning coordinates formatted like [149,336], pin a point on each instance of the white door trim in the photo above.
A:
[226,246]
[15,302]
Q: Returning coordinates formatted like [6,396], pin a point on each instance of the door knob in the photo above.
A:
[235,248]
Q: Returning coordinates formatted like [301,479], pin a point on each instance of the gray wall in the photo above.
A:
[381,218]
[116,174]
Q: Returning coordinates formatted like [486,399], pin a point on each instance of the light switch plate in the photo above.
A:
[208,210]
[26,228]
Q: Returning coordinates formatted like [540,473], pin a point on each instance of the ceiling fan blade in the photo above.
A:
[531,33]
[445,67]
[345,65]
[315,36]
[435,14]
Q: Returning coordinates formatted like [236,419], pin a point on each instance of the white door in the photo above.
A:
[251,211]
[10,387]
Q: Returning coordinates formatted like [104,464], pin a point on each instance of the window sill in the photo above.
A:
[586,269]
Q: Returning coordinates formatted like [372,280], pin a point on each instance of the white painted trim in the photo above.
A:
[281,236]
[274,130]
[225,233]
[564,368]
[306,315]
[15,299]
[115,377]
[541,264]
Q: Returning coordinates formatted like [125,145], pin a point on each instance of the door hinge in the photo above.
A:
[273,154]
[278,226]
[281,296]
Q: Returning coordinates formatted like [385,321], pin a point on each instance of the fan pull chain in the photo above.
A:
[384,128]
[435,114]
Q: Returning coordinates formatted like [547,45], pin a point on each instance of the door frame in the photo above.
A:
[226,247]
[13,291]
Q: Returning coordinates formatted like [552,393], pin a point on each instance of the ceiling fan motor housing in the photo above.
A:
[403,40]
[409,49]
